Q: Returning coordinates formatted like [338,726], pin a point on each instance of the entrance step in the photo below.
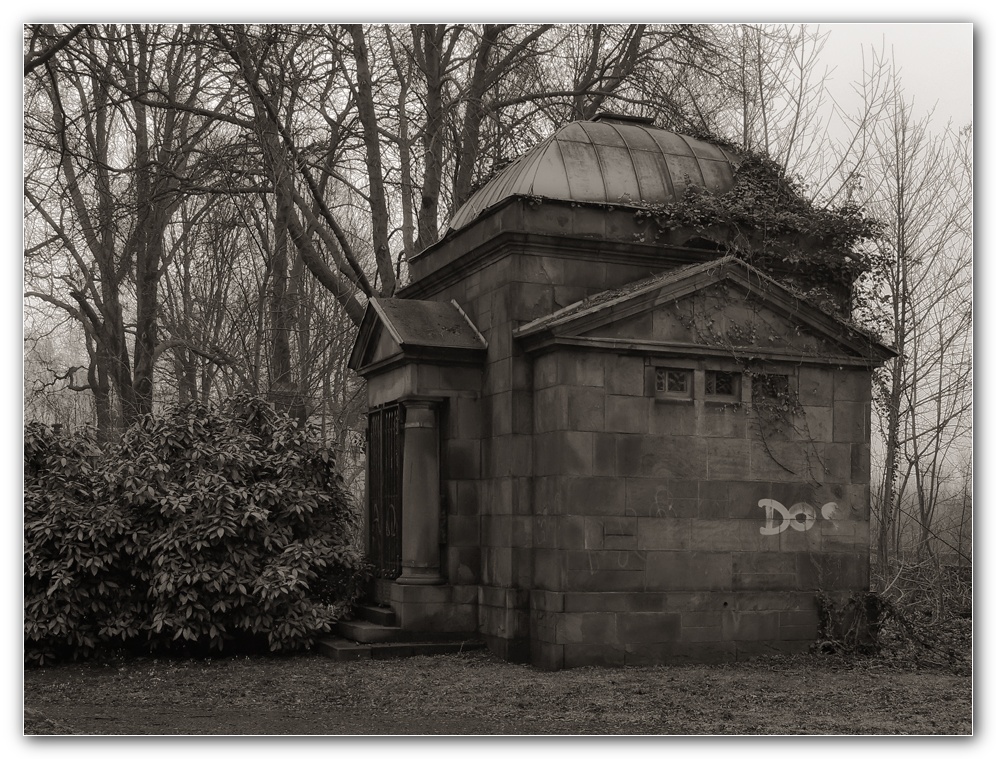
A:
[346,650]
[365,631]
[380,615]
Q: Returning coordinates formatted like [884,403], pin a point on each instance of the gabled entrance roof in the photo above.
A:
[393,329]
[574,324]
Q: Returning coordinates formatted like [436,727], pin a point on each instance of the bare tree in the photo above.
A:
[921,185]
[108,178]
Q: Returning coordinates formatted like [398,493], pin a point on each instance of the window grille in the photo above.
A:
[722,384]
[675,383]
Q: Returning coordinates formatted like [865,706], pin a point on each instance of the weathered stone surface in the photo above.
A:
[463,564]
[615,602]
[722,420]
[661,456]
[624,376]
[546,656]
[581,368]
[628,414]
[689,570]
[463,530]
[701,634]
[661,498]
[540,269]
[596,496]
[836,460]
[391,385]
[548,495]
[852,385]
[580,628]
[501,413]
[548,569]
[604,456]
[778,461]
[606,580]
[860,463]
[463,458]
[816,386]
[746,625]
[575,453]
[573,532]
[644,627]
[546,601]
[851,421]
[816,423]
[550,409]
[838,571]
[780,600]
[531,300]
[728,459]
[598,560]
[715,535]
[669,417]
[522,412]
[586,408]
[545,371]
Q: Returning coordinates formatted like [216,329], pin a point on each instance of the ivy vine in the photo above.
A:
[766,219]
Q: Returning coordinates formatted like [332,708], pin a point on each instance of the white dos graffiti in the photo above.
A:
[801,517]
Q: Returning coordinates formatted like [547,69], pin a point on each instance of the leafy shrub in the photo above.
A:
[78,590]
[202,527]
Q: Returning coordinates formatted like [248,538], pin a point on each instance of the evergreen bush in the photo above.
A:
[202,528]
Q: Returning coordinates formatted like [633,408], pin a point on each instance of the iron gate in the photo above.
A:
[385,449]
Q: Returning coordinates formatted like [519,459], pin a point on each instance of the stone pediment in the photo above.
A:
[397,329]
[722,307]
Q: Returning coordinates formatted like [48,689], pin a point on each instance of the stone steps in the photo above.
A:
[381,615]
[365,631]
[341,649]
[374,634]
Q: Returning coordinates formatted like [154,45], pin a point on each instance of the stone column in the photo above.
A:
[420,497]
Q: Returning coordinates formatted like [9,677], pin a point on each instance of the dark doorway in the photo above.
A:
[385,452]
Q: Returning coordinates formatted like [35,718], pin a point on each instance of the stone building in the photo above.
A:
[594,444]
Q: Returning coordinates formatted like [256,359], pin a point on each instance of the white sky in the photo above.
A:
[935,62]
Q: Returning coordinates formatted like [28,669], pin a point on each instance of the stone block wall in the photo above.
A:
[649,537]
[487,477]
[602,524]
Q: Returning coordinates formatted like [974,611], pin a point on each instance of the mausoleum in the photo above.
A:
[593,442]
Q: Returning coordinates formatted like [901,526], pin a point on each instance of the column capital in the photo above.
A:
[421,402]
[420,412]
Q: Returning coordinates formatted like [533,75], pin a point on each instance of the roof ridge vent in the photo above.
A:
[624,118]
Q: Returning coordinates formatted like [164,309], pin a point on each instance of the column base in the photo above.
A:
[415,577]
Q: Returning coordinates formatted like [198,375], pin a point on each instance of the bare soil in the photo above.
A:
[478,694]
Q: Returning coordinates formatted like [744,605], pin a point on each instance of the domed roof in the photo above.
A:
[610,159]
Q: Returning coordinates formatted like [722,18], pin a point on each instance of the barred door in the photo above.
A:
[385,449]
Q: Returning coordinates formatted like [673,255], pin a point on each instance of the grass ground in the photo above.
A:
[478,694]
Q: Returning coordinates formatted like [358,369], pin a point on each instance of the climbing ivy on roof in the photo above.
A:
[767,219]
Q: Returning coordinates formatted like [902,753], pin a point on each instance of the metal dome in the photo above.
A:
[610,159]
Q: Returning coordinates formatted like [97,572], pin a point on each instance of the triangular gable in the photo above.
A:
[396,329]
[712,307]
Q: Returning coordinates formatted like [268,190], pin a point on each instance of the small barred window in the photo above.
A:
[772,386]
[724,384]
[674,382]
